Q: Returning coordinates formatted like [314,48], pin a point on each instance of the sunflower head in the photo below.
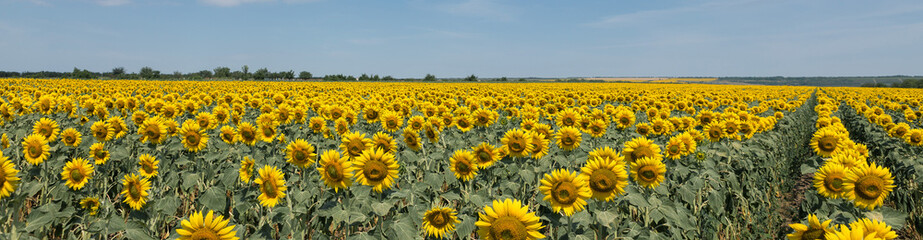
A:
[246,169]
[90,204]
[248,133]
[300,153]
[566,191]
[568,138]
[354,144]
[35,149]
[102,132]
[648,172]
[334,170]
[71,137]
[375,168]
[383,141]
[464,164]
[829,180]
[148,165]
[826,141]
[606,177]
[47,128]
[874,228]
[412,139]
[228,134]
[8,180]
[508,219]
[868,185]
[517,143]
[135,190]
[439,221]
[640,148]
[208,227]
[814,230]
[194,137]
[99,153]
[539,145]
[485,155]
[272,185]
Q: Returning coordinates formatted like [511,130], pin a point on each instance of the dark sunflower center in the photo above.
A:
[673,149]
[482,119]
[916,138]
[564,192]
[463,167]
[35,151]
[642,130]
[869,187]
[813,233]
[430,133]
[44,131]
[375,171]
[300,155]
[268,131]
[416,125]
[516,146]
[70,139]
[834,182]
[714,133]
[193,139]
[76,175]
[148,167]
[647,173]
[624,121]
[371,115]
[100,154]
[508,228]
[153,132]
[568,121]
[270,188]
[463,124]
[410,140]
[568,141]
[595,129]
[384,146]
[101,133]
[333,172]
[537,147]
[603,180]
[203,123]
[639,153]
[227,137]
[658,128]
[483,156]
[134,190]
[391,123]
[827,144]
[247,134]
[204,233]
[439,219]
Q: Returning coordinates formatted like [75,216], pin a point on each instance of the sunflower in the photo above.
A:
[539,145]
[412,139]
[826,141]
[527,124]
[568,138]
[508,219]
[370,114]
[209,227]
[463,123]
[152,130]
[849,159]
[99,154]
[431,132]
[47,128]
[661,127]
[77,173]
[829,180]
[4,140]
[341,125]
[8,180]
[675,148]
[383,141]
[844,233]
[814,230]
[606,152]
[90,204]
[391,121]
[35,149]
[914,137]
[102,131]
[228,134]
[566,191]
[375,168]
[416,123]
[643,129]
[333,170]
[517,143]
[606,177]
[625,119]
[119,129]
[71,137]
[568,118]
[639,148]
[266,132]
[135,190]
[171,127]
[439,221]
[868,185]
[248,133]
[648,172]
[194,137]
[485,155]
[484,117]
[714,132]
[300,153]
[464,165]
[544,129]
[874,227]
[317,124]
[246,169]
[354,144]
[597,128]
[272,185]
[148,165]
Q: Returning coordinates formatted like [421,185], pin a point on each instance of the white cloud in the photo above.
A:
[112,2]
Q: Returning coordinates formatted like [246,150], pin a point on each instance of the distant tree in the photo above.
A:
[429,78]
[522,79]
[246,72]
[376,78]
[288,75]
[503,79]
[304,75]
[387,78]
[118,72]
[222,72]
[261,74]
[364,77]
[146,73]
[472,78]
[206,73]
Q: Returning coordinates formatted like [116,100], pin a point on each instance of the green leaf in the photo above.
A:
[451,196]
[466,227]
[215,199]
[381,208]
[892,217]
[605,218]
[138,233]
[637,200]
[404,230]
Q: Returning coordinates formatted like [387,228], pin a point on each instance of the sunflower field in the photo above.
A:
[132,159]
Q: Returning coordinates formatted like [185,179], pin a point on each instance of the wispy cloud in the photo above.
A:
[232,3]
[646,15]
[489,9]
[112,2]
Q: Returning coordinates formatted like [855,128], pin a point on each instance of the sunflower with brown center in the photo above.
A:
[8,180]
[625,119]
[439,221]
[814,230]
[566,191]
[829,180]
[648,172]
[431,132]
[317,124]
[102,131]
[463,123]
[334,170]
[517,143]
[508,219]
[412,139]
[675,148]
[90,204]
[300,153]
[47,128]
[914,137]
[375,168]
[639,148]
[383,141]
[485,155]
[246,169]
[539,145]
[868,185]
[135,190]
[152,130]
[644,129]
[606,176]
[209,227]
[391,121]
[464,165]
[71,137]
[272,185]
[568,138]
[119,129]
[826,141]
[714,132]
[248,133]
[77,173]
[194,137]
[568,118]
[35,149]
[148,165]
[99,154]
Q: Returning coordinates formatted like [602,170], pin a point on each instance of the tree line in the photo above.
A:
[225,73]
[906,83]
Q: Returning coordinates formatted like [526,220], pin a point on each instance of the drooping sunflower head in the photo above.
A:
[272,185]
[539,145]
[135,190]
[341,126]
[464,165]
[439,222]
[248,133]
[875,228]
[485,155]
[208,227]
[640,148]
[375,168]
[148,165]
[194,137]
[868,185]
[246,169]
[47,128]
[826,141]
[90,204]
[412,139]
[71,137]
[606,177]
[569,138]
[829,180]
[431,132]
[35,149]
[77,173]
[648,172]
[300,153]
[334,170]
[508,219]
[814,230]
[8,180]
[517,143]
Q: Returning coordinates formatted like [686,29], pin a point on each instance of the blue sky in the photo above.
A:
[488,38]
